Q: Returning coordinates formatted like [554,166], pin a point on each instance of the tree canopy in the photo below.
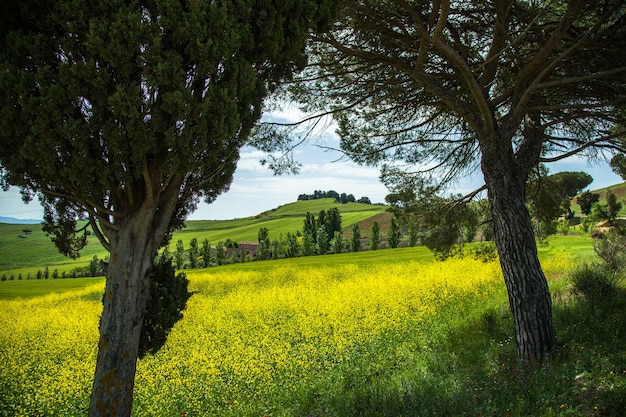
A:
[550,195]
[442,89]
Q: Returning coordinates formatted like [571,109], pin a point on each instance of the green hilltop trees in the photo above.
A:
[128,113]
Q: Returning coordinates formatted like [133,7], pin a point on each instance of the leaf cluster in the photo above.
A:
[168,299]
[116,105]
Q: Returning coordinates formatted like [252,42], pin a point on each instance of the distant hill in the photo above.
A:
[12,220]
[26,253]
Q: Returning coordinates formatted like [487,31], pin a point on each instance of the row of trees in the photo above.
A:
[93,269]
[342,198]
[321,234]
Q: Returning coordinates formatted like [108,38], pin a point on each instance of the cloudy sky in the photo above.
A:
[256,189]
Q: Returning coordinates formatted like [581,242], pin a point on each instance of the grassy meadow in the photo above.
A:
[379,333]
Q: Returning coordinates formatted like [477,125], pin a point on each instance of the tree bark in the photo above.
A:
[529,295]
[127,289]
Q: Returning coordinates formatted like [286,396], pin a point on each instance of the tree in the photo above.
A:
[413,235]
[205,252]
[263,250]
[308,246]
[613,205]
[193,252]
[549,196]
[495,85]
[394,234]
[168,298]
[618,164]
[179,255]
[322,241]
[220,253]
[322,223]
[337,242]
[355,242]
[310,227]
[586,200]
[129,113]
[333,221]
[375,236]
[292,248]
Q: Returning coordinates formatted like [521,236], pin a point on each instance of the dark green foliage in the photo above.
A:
[308,246]
[292,247]
[598,282]
[413,235]
[179,255]
[618,164]
[193,252]
[322,241]
[263,250]
[333,221]
[586,200]
[168,299]
[342,198]
[220,253]
[60,221]
[608,211]
[205,252]
[374,236]
[612,250]
[613,205]
[549,196]
[594,282]
[337,243]
[394,234]
[310,227]
[355,242]
[94,267]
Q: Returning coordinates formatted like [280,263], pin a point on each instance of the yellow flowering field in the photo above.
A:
[251,343]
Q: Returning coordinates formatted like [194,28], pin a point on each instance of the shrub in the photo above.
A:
[595,283]
[612,250]
[168,298]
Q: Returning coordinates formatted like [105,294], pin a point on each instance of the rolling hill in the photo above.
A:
[26,252]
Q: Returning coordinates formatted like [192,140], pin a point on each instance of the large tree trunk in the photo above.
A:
[124,302]
[126,293]
[529,296]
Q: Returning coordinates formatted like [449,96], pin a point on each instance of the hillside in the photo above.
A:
[25,253]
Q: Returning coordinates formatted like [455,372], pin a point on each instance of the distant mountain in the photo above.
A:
[12,220]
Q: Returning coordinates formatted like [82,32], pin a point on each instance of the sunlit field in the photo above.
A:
[430,338]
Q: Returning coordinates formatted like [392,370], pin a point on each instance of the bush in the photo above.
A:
[595,283]
[168,299]
[612,250]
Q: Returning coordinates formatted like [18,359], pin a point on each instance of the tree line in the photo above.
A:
[320,234]
[342,198]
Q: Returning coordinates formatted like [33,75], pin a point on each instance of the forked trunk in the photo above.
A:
[125,296]
[529,295]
